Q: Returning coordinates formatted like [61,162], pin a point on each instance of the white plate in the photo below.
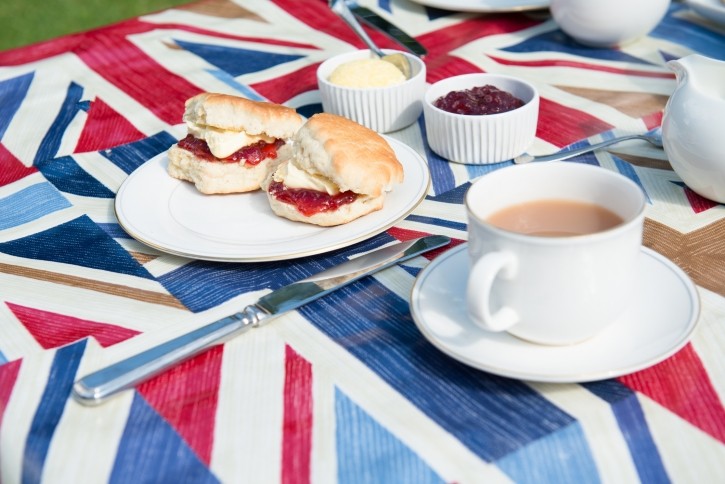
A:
[172,216]
[711,9]
[485,5]
[659,324]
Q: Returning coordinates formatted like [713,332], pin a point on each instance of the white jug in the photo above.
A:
[693,127]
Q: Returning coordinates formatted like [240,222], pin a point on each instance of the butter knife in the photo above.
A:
[94,388]
[371,18]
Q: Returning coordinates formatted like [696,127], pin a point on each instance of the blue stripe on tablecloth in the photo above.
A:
[631,420]
[491,415]
[114,231]
[12,93]
[561,456]
[437,221]
[236,61]
[54,136]
[703,40]
[29,204]
[243,89]
[69,177]
[79,242]
[130,156]
[49,411]
[151,451]
[201,285]
[441,175]
[367,452]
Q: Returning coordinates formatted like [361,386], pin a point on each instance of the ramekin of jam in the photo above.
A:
[481,118]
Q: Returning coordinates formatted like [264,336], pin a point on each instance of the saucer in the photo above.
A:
[659,323]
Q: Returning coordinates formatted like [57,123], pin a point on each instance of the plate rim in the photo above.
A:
[414,203]
[689,327]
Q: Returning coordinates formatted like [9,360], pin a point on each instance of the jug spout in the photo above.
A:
[706,74]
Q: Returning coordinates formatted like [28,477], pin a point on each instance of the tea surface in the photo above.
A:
[555,218]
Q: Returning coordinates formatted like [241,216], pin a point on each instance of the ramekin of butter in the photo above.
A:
[360,86]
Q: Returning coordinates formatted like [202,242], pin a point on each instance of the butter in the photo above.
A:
[223,143]
[293,177]
[366,73]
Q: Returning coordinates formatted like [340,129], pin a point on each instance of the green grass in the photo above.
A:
[28,21]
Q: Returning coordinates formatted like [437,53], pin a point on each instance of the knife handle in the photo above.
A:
[96,387]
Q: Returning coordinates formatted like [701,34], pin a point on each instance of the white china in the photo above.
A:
[382,109]
[608,24]
[172,216]
[485,5]
[552,290]
[692,126]
[656,326]
[481,139]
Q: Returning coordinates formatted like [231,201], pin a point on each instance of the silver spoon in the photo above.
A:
[398,60]
[654,137]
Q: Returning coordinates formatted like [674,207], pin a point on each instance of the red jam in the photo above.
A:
[487,99]
[310,202]
[251,155]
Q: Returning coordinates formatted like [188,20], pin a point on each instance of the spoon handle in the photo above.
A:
[343,11]
[563,155]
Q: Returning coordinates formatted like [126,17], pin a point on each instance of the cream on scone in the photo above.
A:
[339,171]
[233,143]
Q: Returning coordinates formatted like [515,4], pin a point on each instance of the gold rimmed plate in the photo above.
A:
[172,216]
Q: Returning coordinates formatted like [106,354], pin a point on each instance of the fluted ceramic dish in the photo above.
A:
[383,109]
[481,139]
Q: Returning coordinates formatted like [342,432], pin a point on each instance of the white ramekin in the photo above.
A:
[481,139]
[383,109]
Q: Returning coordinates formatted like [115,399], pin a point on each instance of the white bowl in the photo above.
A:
[481,139]
[383,109]
[608,23]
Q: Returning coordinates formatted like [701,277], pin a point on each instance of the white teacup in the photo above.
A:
[547,289]
[608,23]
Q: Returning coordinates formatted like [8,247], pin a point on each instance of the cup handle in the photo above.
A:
[478,293]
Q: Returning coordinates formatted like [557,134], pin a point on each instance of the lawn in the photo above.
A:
[28,21]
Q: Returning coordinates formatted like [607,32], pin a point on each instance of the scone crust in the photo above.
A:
[236,113]
[352,156]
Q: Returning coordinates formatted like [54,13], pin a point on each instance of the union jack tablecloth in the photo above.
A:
[346,389]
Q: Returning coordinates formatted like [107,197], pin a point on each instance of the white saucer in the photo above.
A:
[658,325]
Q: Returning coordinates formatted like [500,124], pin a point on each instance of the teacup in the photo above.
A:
[608,24]
[553,250]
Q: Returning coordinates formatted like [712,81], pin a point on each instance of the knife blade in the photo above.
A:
[374,20]
[96,387]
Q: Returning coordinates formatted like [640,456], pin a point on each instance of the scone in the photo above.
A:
[339,171]
[233,143]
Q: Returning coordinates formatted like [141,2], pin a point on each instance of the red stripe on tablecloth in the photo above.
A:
[105,128]
[563,126]
[52,330]
[582,65]
[406,234]
[186,396]
[681,384]
[8,376]
[12,169]
[297,425]
[280,89]
[124,65]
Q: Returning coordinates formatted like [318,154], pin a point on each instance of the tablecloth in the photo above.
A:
[347,389]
